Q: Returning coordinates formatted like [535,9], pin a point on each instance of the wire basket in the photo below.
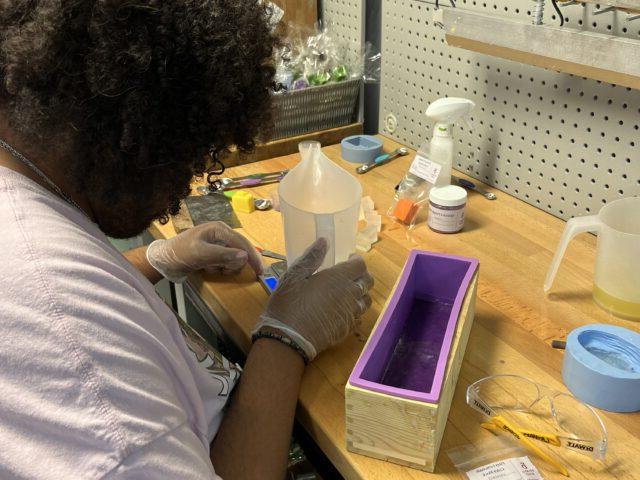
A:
[315,108]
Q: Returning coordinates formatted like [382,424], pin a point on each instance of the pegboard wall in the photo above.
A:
[346,18]
[565,144]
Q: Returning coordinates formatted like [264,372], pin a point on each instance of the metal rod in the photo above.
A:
[603,10]
[537,13]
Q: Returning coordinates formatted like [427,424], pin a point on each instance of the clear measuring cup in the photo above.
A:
[319,199]
[617,273]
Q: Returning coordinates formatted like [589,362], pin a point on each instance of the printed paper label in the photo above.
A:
[519,468]
[446,219]
[425,169]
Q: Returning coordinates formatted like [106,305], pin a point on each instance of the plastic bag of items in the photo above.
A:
[308,60]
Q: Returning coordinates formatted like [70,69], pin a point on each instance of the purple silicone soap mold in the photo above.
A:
[408,352]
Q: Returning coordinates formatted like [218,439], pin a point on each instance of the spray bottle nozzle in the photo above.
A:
[447,111]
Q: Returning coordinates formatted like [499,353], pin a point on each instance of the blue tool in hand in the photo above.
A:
[400,152]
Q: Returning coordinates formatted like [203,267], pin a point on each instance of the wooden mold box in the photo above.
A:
[399,393]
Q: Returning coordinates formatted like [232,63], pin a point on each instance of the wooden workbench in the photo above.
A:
[514,321]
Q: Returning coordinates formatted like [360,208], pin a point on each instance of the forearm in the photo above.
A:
[254,437]
[138,258]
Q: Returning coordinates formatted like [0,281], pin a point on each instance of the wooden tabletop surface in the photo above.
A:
[514,322]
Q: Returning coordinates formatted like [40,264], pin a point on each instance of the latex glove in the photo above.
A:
[213,247]
[318,310]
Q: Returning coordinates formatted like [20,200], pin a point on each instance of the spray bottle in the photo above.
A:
[433,163]
[446,112]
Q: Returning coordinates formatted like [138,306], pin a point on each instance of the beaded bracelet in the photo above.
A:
[282,339]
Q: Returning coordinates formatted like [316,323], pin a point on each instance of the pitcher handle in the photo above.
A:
[574,227]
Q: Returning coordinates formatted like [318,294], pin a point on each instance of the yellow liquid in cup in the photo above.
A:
[615,305]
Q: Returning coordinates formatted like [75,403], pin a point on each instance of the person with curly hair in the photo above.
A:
[108,108]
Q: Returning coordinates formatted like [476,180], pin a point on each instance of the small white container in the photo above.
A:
[446,208]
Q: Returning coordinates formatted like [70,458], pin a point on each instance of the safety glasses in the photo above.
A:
[537,415]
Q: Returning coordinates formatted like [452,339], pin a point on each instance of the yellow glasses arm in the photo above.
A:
[549,438]
[499,422]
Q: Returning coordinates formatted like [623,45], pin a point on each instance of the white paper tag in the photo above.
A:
[277,15]
[519,468]
[425,169]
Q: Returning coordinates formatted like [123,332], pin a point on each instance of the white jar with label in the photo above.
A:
[446,208]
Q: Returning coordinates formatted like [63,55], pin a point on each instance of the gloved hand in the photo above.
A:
[318,310]
[212,246]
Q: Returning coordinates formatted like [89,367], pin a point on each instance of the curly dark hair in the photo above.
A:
[136,92]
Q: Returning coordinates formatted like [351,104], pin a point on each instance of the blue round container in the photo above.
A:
[361,148]
[602,367]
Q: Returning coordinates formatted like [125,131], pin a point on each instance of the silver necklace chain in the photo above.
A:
[18,156]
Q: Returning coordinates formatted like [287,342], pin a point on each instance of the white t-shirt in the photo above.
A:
[96,379]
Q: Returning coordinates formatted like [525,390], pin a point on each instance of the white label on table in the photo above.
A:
[425,169]
[519,468]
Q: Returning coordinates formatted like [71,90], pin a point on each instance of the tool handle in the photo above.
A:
[382,158]
[261,175]
[467,184]
[250,182]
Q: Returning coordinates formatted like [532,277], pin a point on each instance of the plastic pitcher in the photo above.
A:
[319,199]
[617,273]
